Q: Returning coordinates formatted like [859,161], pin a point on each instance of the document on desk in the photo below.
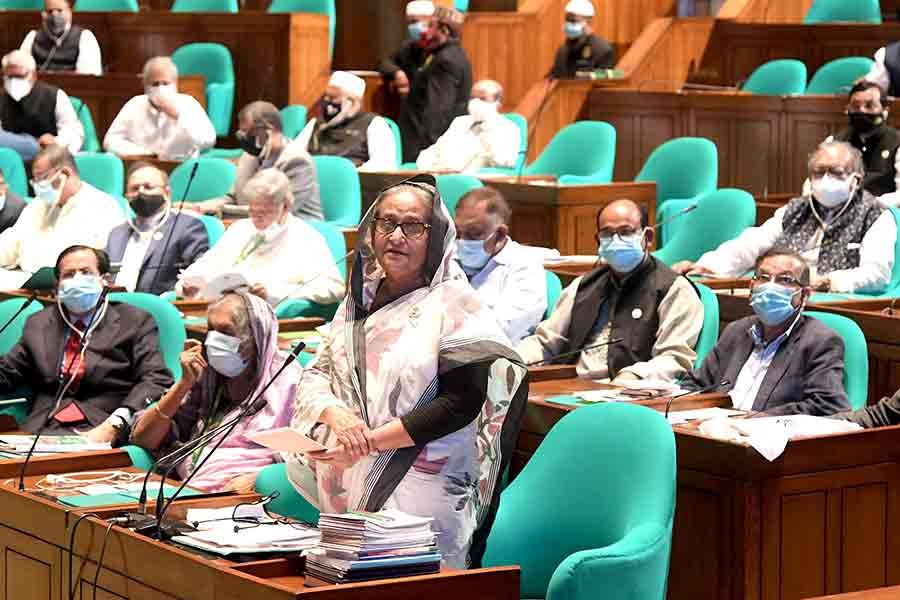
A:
[702,414]
[51,443]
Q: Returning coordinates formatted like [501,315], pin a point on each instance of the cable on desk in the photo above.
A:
[100,560]
[72,551]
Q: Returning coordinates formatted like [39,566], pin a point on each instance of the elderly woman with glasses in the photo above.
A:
[433,390]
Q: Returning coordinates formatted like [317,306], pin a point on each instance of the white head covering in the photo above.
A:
[350,83]
[582,8]
[420,8]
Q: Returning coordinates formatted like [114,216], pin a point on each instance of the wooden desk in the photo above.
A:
[197,331]
[822,518]
[891,593]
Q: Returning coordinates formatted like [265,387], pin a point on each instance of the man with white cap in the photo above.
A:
[482,138]
[342,128]
[399,68]
[583,50]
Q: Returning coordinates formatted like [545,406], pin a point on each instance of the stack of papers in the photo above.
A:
[51,443]
[365,546]
[649,388]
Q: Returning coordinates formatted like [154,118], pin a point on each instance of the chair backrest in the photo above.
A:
[322,7]
[21,5]
[168,322]
[682,168]
[398,141]
[339,189]
[14,171]
[721,216]
[91,143]
[894,285]
[105,6]
[454,187]
[554,291]
[12,334]
[859,11]
[336,243]
[461,5]
[856,355]
[584,148]
[837,76]
[601,471]
[709,334]
[214,228]
[522,123]
[783,77]
[214,63]
[215,178]
[102,170]
[293,120]
[205,6]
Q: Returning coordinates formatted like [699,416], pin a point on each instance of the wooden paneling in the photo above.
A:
[765,11]
[29,569]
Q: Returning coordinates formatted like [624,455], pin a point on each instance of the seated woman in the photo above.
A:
[435,390]
[242,351]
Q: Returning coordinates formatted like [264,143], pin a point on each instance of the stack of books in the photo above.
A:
[363,546]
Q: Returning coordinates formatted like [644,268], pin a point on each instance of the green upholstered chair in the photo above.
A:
[213,61]
[105,6]
[554,291]
[140,458]
[522,123]
[339,190]
[229,154]
[322,7]
[720,216]
[168,322]
[214,228]
[33,5]
[8,339]
[14,171]
[296,307]
[830,11]
[454,187]
[215,178]
[102,170]
[784,77]
[461,5]
[398,141]
[293,120]
[856,355]
[709,333]
[590,515]
[205,6]
[289,502]
[838,76]
[581,153]
[91,143]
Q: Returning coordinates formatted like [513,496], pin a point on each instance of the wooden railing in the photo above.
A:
[765,11]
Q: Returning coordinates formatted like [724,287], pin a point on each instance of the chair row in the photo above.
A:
[787,77]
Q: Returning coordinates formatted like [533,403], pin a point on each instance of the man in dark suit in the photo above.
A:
[10,206]
[122,367]
[157,238]
[583,49]
[779,362]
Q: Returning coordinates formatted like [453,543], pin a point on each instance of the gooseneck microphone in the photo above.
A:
[31,298]
[572,352]
[169,233]
[703,390]
[677,215]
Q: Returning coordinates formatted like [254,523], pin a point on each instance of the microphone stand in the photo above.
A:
[703,390]
[582,349]
[31,298]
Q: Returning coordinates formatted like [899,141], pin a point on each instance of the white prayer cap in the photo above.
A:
[582,8]
[420,8]
[350,83]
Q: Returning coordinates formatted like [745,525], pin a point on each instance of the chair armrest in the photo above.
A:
[594,179]
[633,568]
[140,458]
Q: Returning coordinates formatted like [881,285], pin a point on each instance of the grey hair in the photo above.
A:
[20,59]
[240,313]
[263,112]
[156,61]
[492,87]
[856,158]
[268,183]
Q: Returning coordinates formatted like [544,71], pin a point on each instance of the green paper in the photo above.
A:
[85,500]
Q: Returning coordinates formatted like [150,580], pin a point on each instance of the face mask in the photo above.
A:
[416,29]
[472,254]
[272,231]
[572,30]
[831,191]
[147,205]
[168,91]
[772,303]
[2,201]
[864,122]
[17,87]
[250,144]
[46,193]
[56,24]
[222,354]
[80,293]
[623,254]
[482,110]
[331,110]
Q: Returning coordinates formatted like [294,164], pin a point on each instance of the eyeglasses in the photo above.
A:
[785,279]
[819,172]
[412,229]
[249,522]
[606,235]
[47,179]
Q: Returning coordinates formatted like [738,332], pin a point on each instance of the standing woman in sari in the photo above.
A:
[428,391]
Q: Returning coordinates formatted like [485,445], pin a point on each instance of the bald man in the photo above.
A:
[481,138]
[654,311]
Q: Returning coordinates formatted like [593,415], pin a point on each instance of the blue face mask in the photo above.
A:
[573,30]
[472,255]
[622,254]
[772,303]
[80,293]
[416,29]
[222,352]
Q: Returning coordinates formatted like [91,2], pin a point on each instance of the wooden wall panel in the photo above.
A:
[765,11]
[863,510]
[803,517]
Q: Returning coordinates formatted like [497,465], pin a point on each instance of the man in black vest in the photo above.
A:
[61,46]
[342,128]
[34,114]
[583,50]
[656,313]
[10,206]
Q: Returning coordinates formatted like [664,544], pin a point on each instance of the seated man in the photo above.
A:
[482,138]
[146,248]
[66,212]
[508,278]
[582,51]
[656,313]
[61,46]
[844,235]
[265,146]
[344,129]
[160,122]
[121,366]
[779,362]
[34,114]
[278,254]
[241,355]
[11,205]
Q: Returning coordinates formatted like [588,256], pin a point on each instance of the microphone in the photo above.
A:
[677,215]
[31,298]
[703,390]
[582,349]
[100,307]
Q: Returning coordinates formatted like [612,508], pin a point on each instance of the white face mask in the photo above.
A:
[17,87]
[832,192]
[45,192]
[222,352]
[481,110]
[272,231]
[2,201]
[169,91]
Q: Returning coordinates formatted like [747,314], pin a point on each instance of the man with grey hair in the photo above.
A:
[34,114]
[279,255]
[481,138]
[261,135]
[839,229]
[160,122]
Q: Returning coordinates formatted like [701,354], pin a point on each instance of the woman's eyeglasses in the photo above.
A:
[412,229]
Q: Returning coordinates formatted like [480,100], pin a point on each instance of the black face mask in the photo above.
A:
[330,110]
[249,144]
[864,123]
[147,205]
[55,23]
